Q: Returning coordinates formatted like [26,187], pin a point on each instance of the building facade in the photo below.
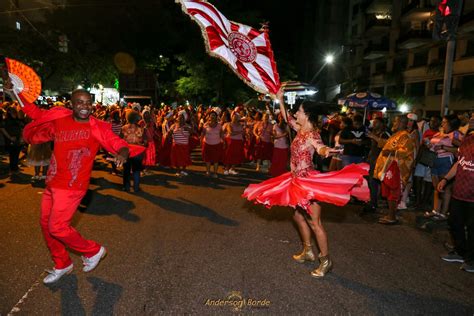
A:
[391,51]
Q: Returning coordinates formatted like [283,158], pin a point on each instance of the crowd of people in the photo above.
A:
[410,156]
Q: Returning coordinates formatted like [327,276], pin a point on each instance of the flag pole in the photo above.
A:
[4,75]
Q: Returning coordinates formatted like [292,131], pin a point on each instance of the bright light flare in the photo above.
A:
[404,108]
[329,59]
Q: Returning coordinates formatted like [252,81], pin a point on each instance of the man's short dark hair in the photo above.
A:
[358,118]
[80,91]
[347,121]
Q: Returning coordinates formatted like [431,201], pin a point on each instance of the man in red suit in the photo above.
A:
[77,137]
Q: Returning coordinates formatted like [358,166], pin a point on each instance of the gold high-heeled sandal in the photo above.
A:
[325,265]
[306,255]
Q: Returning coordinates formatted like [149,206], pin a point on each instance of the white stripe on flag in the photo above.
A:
[227,55]
[205,22]
[266,65]
[260,40]
[211,14]
[254,76]
[244,29]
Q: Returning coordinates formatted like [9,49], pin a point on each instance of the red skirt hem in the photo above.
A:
[180,155]
[212,153]
[263,151]
[234,153]
[149,160]
[334,187]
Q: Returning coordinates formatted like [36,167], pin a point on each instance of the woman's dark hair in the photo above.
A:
[453,121]
[133,117]
[312,111]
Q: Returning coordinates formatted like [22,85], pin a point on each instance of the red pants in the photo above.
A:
[57,209]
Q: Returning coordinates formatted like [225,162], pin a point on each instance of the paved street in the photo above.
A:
[182,244]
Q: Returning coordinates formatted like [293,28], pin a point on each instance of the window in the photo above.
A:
[355,11]
[381,67]
[354,30]
[439,87]
[395,90]
[400,63]
[467,87]
[442,53]
[470,48]
[417,89]
[421,59]
[365,70]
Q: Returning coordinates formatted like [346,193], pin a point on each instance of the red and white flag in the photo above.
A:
[246,50]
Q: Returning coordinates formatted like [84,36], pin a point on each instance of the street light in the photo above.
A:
[329,59]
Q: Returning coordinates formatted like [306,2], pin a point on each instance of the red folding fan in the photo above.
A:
[26,83]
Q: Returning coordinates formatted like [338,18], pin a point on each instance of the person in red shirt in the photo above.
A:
[461,213]
[77,137]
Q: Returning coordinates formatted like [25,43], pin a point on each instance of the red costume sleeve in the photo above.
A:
[41,130]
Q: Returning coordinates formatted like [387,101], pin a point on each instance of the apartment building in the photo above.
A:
[391,51]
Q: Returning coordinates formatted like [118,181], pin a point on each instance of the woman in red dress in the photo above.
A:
[280,148]
[234,136]
[263,145]
[149,160]
[303,187]
[211,139]
[164,156]
[180,154]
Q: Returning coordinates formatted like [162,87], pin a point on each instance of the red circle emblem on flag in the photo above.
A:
[242,47]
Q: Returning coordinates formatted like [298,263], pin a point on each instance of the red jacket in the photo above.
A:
[41,129]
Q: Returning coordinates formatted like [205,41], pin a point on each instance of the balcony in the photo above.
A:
[415,38]
[416,11]
[376,26]
[374,51]
[466,22]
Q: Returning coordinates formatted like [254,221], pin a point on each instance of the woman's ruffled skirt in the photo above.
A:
[334,187]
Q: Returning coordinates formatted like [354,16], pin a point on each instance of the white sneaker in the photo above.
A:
[92,262]
[42,178]
[56,274]
[226,172]
[184,173]
[232,171]
[402,206]
[33,178]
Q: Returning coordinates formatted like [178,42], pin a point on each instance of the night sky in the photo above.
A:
[159,26]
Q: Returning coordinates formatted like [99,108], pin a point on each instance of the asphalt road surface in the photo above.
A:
[194,246]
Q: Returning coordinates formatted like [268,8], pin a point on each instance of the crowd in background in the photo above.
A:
[232,136]
[425,148]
